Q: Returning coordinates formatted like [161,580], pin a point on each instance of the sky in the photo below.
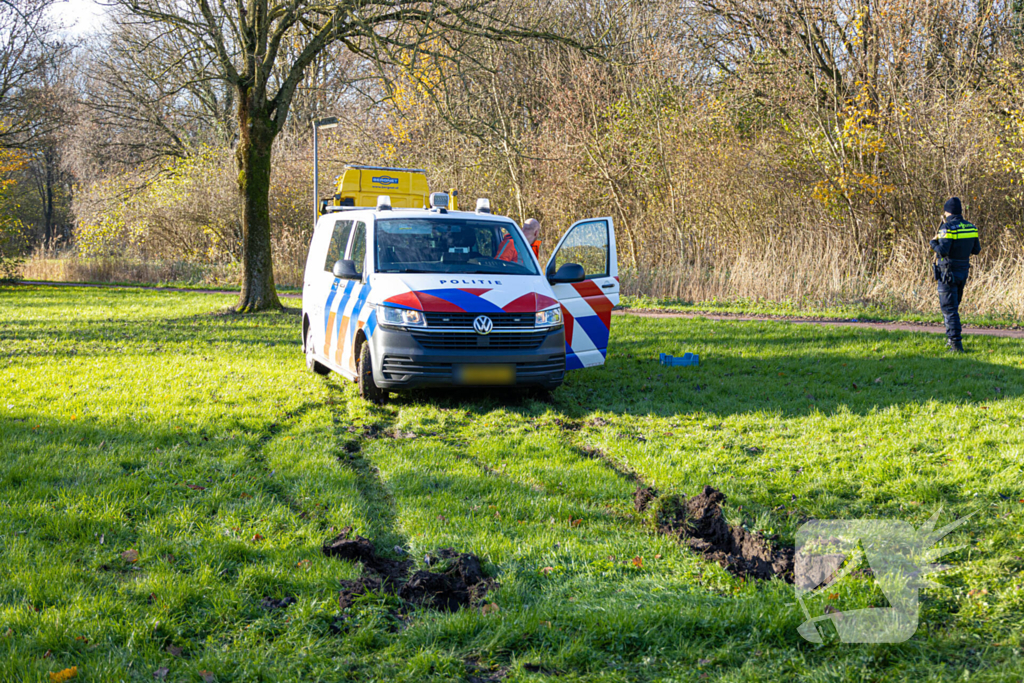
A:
[79,17]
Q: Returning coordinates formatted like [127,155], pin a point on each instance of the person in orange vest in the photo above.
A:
[507,248]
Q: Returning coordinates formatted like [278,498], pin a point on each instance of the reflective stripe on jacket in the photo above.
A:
[957,240]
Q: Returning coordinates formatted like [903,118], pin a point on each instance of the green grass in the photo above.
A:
[878,312]
[139,420]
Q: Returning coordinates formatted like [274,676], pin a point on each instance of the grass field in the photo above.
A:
[140,421]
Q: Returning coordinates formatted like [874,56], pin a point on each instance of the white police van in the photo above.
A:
[398,298]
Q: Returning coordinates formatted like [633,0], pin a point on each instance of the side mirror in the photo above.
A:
[346,270]
[569,272]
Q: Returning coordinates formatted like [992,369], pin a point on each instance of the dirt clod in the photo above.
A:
[446,592]
[699,523]
[270,604]
[456,580]
[360,549]
[643,497]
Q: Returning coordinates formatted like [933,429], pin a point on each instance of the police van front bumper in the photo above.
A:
[421,358]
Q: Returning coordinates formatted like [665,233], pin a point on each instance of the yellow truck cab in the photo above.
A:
[360,186]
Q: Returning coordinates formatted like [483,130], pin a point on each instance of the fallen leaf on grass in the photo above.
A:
[64,675]
[47,654]
[161,673]
[878,380]
[489,608]
[547,570]
[577,522]
[207,676]
[703,662]
[174,650]
[638,561]
[130,556]
[257,538]
[657,557]
[196,487]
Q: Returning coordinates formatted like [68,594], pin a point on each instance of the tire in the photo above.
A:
[368,389]
[311,362]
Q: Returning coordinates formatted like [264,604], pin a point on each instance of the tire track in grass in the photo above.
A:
[378,501]
[257,453]
[620,469]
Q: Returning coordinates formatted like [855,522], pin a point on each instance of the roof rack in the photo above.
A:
[384,168]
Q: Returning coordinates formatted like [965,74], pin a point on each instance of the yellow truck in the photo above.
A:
[359,186]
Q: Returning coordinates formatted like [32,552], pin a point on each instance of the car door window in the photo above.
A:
[357,252]
[587,245]
[339,239]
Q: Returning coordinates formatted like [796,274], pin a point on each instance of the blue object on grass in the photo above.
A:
[686,359]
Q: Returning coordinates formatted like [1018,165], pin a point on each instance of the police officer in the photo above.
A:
[954,244]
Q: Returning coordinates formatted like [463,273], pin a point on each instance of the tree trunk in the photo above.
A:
[254,156]
[48,203]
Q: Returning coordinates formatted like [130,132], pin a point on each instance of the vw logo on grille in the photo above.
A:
[483,325]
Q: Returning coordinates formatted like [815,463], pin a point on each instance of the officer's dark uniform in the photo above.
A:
[956,242]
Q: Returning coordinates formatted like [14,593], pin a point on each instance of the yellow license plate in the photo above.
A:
[485,374]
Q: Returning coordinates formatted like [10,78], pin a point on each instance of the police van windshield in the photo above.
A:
[451,245]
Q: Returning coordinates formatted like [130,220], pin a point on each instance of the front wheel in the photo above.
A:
[311,362]
[368,389]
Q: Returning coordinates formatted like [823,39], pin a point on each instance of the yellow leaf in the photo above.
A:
[65,675]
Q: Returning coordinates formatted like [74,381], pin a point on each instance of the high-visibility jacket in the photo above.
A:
[957,241]
[507,249]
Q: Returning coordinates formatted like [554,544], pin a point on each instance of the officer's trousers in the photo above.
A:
[949,300]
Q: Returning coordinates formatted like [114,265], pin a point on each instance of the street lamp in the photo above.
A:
[330,122]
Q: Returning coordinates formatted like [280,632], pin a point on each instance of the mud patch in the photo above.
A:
[374,430]
[699,523]
[566,424]
[479,672]
[642,497]
[270,604]
[455,580]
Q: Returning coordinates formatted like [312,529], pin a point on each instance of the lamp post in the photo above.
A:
[330,122]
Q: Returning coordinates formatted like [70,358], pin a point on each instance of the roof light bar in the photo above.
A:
[383,202]
[483,205]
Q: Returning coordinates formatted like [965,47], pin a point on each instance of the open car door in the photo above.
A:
[587,304]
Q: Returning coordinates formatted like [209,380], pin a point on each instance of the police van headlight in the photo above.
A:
[549,317]
[391,316]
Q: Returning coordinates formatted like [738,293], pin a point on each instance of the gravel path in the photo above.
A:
[933,328]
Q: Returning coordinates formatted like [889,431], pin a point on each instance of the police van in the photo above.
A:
[396,298]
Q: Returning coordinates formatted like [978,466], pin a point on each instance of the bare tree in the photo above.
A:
[262,49]
[25,41]
[49,102]
[146,95]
